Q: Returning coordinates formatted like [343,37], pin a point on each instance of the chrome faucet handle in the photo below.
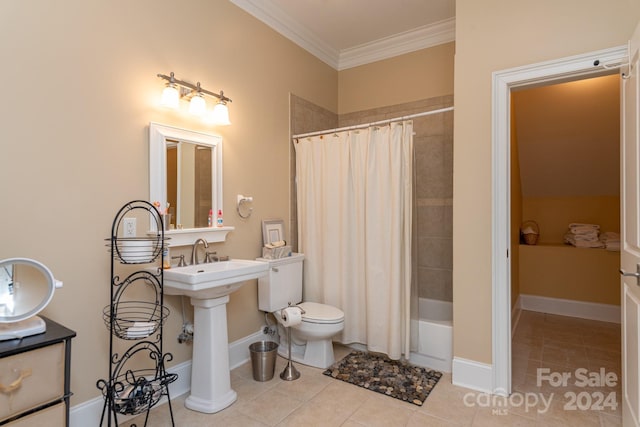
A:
[210,257]
[181,263]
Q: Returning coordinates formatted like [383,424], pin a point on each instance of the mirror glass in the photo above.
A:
[185,175]
[26,287]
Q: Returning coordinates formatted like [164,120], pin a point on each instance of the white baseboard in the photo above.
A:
[430,362]
[239,349]
[88,413]
[565,307]
[471,374]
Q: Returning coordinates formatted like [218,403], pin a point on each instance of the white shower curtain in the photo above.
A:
[354,192]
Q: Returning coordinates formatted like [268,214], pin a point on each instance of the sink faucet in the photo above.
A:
[194,251]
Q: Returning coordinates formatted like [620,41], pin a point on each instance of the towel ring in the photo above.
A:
[239,207]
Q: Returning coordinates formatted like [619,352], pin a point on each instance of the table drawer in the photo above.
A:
[30,379]
[50,417]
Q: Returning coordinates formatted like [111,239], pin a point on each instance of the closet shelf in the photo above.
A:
[561,246]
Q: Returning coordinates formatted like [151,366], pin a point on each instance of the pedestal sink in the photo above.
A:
[209,286]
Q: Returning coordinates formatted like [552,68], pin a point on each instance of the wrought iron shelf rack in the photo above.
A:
[138,378]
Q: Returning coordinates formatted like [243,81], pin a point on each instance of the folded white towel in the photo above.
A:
[586,237]
[613,246]
[578,231]
[584,228]
[592,244]
[576,224]
[570,239]
[578,242]
[610,236]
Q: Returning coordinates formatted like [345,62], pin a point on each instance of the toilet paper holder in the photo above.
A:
[290,373]
[284,315]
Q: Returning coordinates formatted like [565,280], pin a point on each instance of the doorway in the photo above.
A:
[565,169]
[565,69]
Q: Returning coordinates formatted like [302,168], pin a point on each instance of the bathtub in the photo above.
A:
[435,335]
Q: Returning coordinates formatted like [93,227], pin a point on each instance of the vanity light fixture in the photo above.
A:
[171,94]
[197,105]
[220,113]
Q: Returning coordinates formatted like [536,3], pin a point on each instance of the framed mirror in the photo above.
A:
[26,287]
[185,178]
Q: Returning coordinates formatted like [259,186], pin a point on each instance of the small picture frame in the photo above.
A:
[272,230]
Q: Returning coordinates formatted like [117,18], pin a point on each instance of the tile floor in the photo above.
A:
[561,344]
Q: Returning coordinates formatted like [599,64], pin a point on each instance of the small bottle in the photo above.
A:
[210,219]
[166,258]
[219,219]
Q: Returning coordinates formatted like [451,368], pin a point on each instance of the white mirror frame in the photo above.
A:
[158,135]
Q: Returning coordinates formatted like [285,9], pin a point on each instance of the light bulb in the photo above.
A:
[170,96]
[220,115]
[197,106]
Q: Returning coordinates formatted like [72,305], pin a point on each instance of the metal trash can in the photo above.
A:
[263,359]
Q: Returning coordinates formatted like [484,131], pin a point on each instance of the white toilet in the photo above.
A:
[311,342]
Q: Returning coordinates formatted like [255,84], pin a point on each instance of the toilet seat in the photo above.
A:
[321,313]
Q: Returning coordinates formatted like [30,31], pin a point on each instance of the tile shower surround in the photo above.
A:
[433,142]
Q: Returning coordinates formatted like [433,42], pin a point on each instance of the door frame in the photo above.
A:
[555,71]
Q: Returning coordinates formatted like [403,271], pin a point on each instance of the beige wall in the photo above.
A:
[423,74]
[495,35]
[580,274]
[569,138]
[79,90]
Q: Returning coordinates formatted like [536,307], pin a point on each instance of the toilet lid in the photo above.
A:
[321,313]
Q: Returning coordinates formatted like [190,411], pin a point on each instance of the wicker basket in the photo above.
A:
[530,231]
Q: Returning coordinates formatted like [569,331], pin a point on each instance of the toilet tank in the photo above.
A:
[283,284]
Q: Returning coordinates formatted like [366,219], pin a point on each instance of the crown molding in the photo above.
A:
[409,41]
[399,44]
[280,21]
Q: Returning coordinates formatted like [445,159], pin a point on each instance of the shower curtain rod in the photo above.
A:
[381,122]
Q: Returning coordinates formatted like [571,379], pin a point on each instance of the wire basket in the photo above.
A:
[137,250]
[140,391]
[134,320]
[530,232]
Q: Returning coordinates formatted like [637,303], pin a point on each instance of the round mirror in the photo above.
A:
[26,287]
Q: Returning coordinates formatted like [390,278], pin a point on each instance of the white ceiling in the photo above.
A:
[348,33]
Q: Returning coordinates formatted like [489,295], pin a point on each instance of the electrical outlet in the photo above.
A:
[129,227]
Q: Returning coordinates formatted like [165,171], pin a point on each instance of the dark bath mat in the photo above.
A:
[394,378]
